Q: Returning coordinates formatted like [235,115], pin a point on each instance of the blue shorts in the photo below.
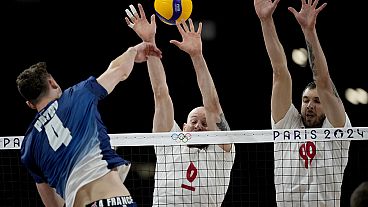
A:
[118,201]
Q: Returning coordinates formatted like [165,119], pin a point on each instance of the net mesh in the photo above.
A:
[204,174]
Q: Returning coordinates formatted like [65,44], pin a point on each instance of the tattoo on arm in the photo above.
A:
[223,125]
[314,71]
[335,91]
[311,58]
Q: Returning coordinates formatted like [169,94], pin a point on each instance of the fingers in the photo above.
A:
[152,50]
[321,7]
[144,50]
[275,3]
[185,26]
[134,11]
[175,42]
[130,15]
[292,10]
[129,20]
[199,31]
[156,52]
[191,25]
[153,20]
[192,29]
[141,11]
[314,4]
[181,30]
[129,23]
[133,16]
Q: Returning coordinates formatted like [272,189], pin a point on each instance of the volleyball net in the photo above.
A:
[232,168]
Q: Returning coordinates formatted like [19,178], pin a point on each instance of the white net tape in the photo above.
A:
[221,137]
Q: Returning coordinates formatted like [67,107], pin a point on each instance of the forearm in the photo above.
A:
[157,76]
[224,126]
[205,83]
[330,99]
[274,48]
[317,59]
[48,195]
[163,119]
[122,66]
[281,87]
[118,70]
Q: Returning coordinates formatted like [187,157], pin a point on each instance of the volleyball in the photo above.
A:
[171,11]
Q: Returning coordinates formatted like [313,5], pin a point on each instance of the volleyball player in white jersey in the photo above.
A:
[195,175]
[66,147]
[306,173]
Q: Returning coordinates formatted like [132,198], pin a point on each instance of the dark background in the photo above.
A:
[80,38]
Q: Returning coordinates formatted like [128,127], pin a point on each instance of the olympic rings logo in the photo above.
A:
[181,137]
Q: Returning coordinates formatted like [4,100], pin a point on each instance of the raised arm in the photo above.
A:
[282,84]
[192,44]
[120,68]
[163,119]
[329,98]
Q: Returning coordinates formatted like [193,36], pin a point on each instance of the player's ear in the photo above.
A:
[53,83]
[30,105]
[184,126]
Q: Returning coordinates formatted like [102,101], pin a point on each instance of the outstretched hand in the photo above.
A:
[265,8]
[145,49]
[191,40]
[307,16]
[139,23]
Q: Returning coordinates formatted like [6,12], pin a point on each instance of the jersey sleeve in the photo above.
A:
[161,149]
[30,164]
[175,127]
[327,123]
[291,120]
[91,85]
[36,178]
[95,88]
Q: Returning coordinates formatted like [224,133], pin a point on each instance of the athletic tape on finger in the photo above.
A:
[134,11]
[130,15]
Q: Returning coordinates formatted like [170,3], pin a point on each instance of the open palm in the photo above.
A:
[192,42]
[307,16]
[145,30]
[265,8]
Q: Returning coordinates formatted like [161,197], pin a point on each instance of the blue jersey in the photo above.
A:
[67,144]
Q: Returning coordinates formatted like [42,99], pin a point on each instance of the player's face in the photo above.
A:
[312,111]
[196,121]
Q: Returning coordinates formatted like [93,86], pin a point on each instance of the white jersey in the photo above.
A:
[190,176]
[308,174]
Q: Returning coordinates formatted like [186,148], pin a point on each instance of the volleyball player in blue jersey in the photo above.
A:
[66,147]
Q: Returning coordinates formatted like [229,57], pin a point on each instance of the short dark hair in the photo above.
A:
[311,85]
[32,82]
